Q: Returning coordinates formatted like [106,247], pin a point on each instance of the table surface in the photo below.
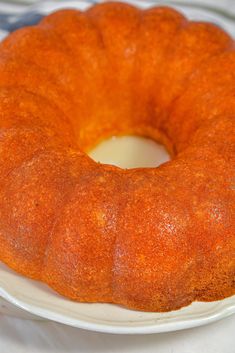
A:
[27,336]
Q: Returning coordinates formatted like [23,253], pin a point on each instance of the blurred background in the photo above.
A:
[29,336]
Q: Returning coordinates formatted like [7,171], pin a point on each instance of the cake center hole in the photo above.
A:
[130,152]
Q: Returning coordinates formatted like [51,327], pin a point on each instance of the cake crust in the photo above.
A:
[151,239]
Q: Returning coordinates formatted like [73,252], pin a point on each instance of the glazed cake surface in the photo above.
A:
[152,239]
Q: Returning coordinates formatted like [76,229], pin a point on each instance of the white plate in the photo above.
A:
[36,298]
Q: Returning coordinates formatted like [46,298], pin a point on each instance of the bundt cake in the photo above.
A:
[152,239]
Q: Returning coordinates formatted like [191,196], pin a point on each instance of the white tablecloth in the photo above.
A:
[26,336]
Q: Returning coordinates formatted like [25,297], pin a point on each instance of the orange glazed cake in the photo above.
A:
[152,239]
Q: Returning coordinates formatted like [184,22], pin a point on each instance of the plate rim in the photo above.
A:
[222,311]
[217,314]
